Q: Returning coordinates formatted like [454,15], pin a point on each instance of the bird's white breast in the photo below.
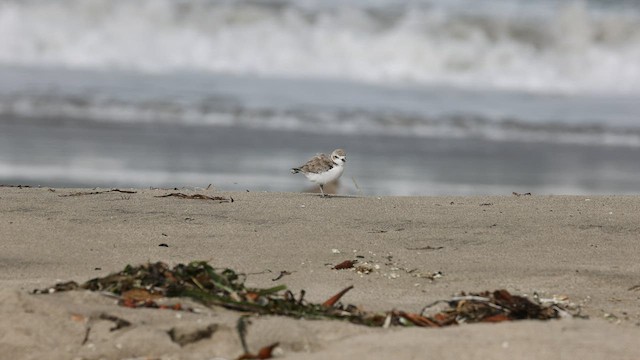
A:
[327,176]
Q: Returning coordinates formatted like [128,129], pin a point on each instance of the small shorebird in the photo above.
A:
[322,169]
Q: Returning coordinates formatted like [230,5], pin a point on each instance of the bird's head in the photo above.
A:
[339,157]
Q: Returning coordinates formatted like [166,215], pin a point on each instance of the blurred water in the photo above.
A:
[234,158]
[547,45]
[428,97]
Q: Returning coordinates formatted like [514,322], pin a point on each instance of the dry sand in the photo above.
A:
[584,248]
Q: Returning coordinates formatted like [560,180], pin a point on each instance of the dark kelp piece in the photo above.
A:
[140,286]
[220,199]
[347,264]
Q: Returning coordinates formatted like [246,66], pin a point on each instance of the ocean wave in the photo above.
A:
[73,108]
[572,47]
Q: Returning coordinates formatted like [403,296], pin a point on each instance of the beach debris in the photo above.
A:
[635,288]
[185,335]
[427,248]
[347,264]
[335,251]
[565,305]
[612,318]
[15,186]
[220,199]
[264,353]
[87,331]
[119,323]
[282,274]
[63,286]
[137,294]
[163,245]
[432,276]
[521,194]
[334,299]
[145,285]
[486,204]
[135,304]
[394,271]
[265,271]
[364,269]
[495,306]
[242,326]
[82,193]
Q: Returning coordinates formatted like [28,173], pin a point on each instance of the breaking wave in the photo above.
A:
[545,46]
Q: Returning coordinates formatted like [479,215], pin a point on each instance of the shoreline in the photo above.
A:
[582,248]
[83,154]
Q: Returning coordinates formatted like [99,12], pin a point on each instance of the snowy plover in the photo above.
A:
[322,169]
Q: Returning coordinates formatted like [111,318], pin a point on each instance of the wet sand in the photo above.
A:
[582,248]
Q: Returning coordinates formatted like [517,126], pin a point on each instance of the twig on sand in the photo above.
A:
[198,197]
[81,193]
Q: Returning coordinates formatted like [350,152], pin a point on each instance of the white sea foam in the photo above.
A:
[553,47]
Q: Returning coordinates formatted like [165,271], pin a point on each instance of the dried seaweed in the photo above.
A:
[521,194]
[98,192]
[198,197]
[142,285]
[494,306]
[427,248]
[347,264]
[264,353]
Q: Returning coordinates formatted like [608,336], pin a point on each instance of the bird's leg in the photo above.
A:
[322,191]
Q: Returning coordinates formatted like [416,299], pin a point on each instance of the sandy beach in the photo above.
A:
[583,249]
